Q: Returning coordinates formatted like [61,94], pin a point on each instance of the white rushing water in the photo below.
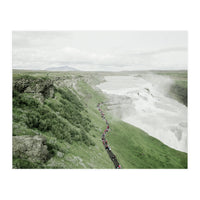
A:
[141,100]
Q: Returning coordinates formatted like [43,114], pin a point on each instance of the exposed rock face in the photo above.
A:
[21,85]
[41,88]
[33,148]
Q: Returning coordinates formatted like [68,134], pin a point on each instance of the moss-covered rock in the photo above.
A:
[41,88]
[32,148]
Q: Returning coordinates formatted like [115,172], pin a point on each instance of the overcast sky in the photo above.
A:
[100,50]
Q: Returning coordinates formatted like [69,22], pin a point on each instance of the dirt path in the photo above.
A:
[105,142]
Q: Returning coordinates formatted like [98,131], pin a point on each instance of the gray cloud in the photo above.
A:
[100,50]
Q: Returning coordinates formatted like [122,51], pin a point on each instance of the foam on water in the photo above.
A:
[141,101]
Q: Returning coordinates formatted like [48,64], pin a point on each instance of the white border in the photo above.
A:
[99,15]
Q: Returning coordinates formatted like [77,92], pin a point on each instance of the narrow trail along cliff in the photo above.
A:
[105,142]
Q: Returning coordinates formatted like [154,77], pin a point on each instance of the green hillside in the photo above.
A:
[56,114]
[178,90]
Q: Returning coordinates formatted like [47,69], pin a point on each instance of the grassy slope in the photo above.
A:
[133,147]
[92,156]
[178,90]
[136,149]
[75,154]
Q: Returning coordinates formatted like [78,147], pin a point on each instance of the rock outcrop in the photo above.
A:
[41,88]
[32,148]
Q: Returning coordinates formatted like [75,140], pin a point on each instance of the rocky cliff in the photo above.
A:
[41,88]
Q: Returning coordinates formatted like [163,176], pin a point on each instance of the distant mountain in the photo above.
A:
[64,68]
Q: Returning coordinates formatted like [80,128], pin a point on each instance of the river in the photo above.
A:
[141,100]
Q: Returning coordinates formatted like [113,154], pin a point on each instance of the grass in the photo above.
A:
[136,149]
[133,147]
[66,122]
[73,127]
[178,90]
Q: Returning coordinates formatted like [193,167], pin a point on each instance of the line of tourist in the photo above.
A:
[105,142]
